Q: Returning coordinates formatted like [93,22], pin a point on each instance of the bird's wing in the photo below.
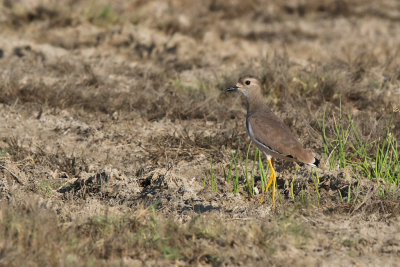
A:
[270,131]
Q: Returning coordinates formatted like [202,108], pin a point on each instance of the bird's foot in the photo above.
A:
[272,180]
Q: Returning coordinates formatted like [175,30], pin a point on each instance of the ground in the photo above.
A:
[116,136]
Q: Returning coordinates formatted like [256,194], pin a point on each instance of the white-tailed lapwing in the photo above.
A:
[268,132]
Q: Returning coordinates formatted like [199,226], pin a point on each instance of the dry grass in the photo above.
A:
[110,239]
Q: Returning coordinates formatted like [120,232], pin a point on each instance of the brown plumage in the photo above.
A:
[267,131]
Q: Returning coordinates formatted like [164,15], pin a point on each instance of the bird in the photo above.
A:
[270,135]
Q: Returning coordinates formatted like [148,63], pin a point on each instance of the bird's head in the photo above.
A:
[248,85]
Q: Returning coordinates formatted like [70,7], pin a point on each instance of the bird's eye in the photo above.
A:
[247,82]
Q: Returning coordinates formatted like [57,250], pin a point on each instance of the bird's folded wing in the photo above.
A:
[270,131]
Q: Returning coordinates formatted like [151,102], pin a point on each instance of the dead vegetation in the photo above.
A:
[113,123]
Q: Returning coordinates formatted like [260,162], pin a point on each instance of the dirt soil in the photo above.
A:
[117,107]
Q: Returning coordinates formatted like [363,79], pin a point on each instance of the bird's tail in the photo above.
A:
[315,163]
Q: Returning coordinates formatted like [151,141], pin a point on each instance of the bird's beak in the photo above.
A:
[233,88]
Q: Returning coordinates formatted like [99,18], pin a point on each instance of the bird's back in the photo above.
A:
[273,137]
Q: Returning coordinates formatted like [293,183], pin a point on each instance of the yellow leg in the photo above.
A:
[272,180]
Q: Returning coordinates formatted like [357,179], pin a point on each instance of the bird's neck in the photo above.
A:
[255,102]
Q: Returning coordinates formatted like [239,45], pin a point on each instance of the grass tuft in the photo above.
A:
[210,176]
[242,165]
[242,172]
[372,159]
[102,15]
